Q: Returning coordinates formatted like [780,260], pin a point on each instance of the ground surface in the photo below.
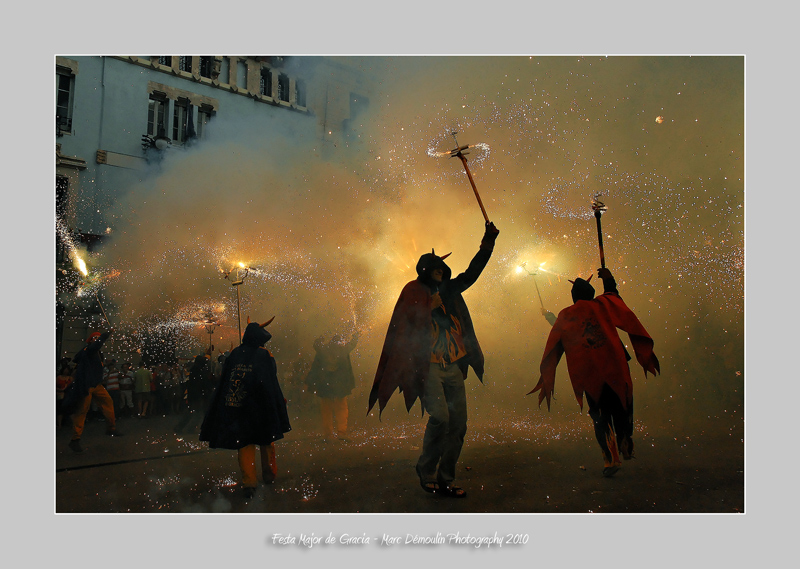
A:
[513,465]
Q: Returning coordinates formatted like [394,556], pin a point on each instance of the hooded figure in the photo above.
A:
[248,407]
[597,362]
[331,375]
[406,356]
[430,346]
[331,378]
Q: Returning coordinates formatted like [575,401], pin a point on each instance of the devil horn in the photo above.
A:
[248,319]
[589,279]
[268,322]
[443,257]
[573,282]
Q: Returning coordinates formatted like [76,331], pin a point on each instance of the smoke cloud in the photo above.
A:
[331,234]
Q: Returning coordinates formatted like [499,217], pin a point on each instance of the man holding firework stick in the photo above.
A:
[429,347]
[598,361]
[87,387]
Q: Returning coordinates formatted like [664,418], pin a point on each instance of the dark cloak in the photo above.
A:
[331,375]
[248,406]
[200,384]
[406,356]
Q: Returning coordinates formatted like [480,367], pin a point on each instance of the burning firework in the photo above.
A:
[460,152]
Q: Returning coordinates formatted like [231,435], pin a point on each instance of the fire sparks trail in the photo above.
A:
[483,155]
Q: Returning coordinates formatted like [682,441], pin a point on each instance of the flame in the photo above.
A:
[81,266]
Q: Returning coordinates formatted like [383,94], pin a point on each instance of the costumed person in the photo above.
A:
[248,408]
[199,389]
[429,347]
[597,362]
[86,387]
[331,378]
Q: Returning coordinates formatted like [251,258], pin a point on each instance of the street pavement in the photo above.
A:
[510,464]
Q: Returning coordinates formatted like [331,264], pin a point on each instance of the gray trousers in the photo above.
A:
[446,402]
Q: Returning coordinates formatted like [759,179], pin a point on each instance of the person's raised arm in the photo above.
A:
[466,279]
[609,284]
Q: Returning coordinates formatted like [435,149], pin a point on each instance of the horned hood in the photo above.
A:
[582,290]
[255,335]
[428,263]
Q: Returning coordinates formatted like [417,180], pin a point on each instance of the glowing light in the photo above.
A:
[81,266]
[659,119]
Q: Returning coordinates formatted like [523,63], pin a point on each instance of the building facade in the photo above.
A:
[117,115]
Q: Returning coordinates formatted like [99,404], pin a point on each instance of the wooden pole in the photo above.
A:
[597,214]
[471,181]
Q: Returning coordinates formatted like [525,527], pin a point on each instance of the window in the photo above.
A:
[225,70]
[300,92]
[283,87]
[65,86]
[266,82]
[157,114]
[241,74]
[206,66]
[165,60]
[180,119]
[185,63]
[204,114]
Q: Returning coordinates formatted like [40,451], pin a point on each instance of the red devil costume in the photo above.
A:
[248,407]
[598,363]
[430,345]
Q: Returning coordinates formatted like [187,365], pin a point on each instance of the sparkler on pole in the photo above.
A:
[599,207]
[82,268]
[236,283]
[459,152]
[103,310]
[209,323]
[539,294]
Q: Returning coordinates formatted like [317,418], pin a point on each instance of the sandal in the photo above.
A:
[430,487]
[453,492]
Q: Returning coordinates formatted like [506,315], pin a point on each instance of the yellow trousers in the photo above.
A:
[247,464]
[100,396]
[333,409]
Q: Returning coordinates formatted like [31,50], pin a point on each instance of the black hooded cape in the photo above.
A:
[331,375]
[248,406]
